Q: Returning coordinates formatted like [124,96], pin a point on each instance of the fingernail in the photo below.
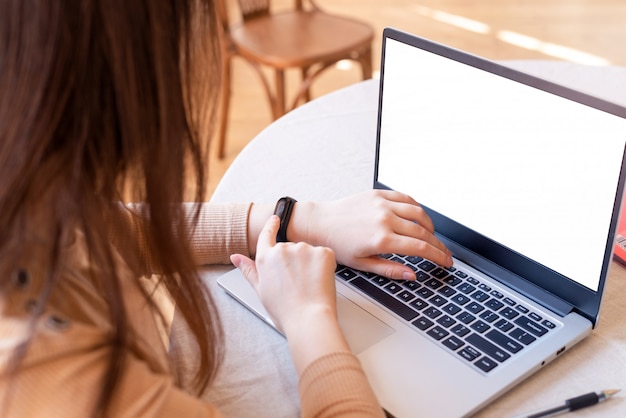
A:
[408,276]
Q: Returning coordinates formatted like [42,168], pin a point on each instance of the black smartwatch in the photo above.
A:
[283,210]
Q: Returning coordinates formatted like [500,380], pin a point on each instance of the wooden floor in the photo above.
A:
[585,31]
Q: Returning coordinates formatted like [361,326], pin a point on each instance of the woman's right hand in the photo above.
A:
[296,284]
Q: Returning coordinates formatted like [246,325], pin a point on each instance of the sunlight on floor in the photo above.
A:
[454,20]
[513,38]
[548,48]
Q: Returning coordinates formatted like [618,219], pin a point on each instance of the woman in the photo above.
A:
[103,99]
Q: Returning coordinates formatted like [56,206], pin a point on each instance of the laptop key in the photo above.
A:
[473,281]
[479,326]
[411,284]
[504,341]
[380,280]
[489,316]
[414,259]
[385,298]
[447,291]
[460,299]
[432,312]
[474,307]
[368,274]
[426,265]
[531,326]
[437,333]
[423,323]
[393,287]
[446,321]
[419,304]
[480,296]
[452,281]
[425,292]
[469,353]
[460,330]
[522,336]
[453,343]
[439,273]
[494,304]
[466,288]
[522,308]
[438,300]
[509,313]
[433,283]
[488,348]
[451,309]
[465,317]
[503,325]
[405,296]
[485,364]
[346,274]
[548,324]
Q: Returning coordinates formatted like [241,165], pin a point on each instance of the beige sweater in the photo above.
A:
[61,372]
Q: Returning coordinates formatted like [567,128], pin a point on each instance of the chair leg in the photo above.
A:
[365,58]
[307,93]
[225,92]
[279,104]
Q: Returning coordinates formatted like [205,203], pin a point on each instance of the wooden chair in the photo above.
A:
[304,37]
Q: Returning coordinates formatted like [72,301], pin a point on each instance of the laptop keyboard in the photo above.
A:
[482,325]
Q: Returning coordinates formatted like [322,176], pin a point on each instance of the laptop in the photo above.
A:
[523,179]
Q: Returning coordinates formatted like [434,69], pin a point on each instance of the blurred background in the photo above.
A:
[591,32]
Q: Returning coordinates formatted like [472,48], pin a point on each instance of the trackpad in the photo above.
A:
[362,329]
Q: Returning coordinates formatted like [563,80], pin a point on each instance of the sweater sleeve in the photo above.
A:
[336,386]
[220,230]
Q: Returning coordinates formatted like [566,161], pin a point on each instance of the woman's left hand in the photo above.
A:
[360,228]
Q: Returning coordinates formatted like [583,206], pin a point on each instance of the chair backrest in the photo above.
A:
[250,9]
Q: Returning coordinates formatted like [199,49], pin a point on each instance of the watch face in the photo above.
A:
[283,209]
[280,208]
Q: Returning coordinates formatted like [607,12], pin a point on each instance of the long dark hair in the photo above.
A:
[114,98]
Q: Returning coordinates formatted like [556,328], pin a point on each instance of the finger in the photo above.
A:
[413,213]
[395,196]
[247,268]
[436,252]
[413,230]
[267,236]
[386,268]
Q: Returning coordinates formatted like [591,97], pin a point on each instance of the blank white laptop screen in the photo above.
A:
[502,159]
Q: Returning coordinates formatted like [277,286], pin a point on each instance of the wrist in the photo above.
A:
[313,334]
[307,319]
[302,226]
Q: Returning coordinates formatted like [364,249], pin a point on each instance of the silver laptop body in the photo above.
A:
[523,179]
